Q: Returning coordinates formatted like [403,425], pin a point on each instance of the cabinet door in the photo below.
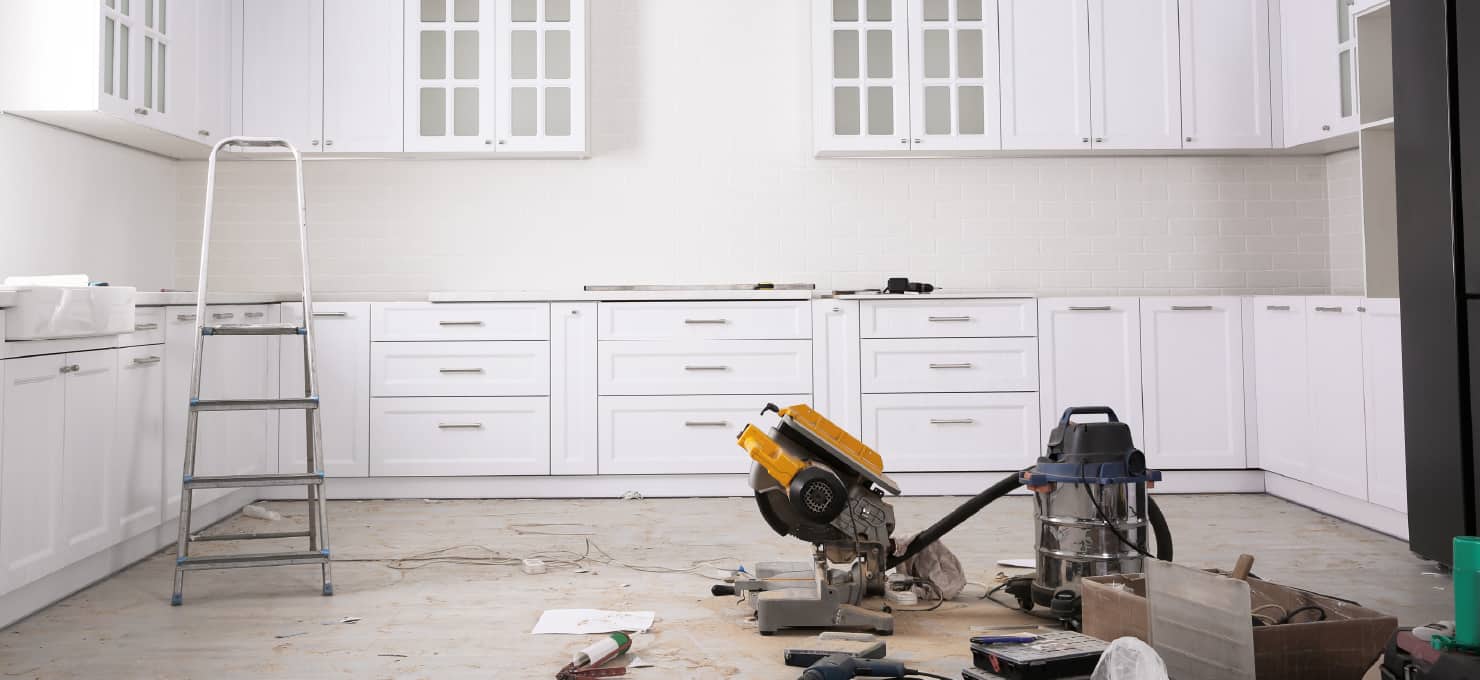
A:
[88,461]
[954,92]
[1382,359]
[1338,440]
[573,388]
[449,77]
[118,81]
[139,458]
[342,335]
[836,361]
[156,58]
[1135,74]
[1309,67]
[1045,74]
[237,367]
[211,66]
[1090,355]
[283,70]
[362,75]
[179,356]
[1225,74]
[1281,386]
[541,96]
[1192,369]
[32,470]
[860,61]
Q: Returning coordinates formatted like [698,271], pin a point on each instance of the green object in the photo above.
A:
[1466,596]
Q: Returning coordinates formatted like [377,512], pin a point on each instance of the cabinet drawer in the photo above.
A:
[705,367]
[679,435]
[742,320]
[459,436]
[148,328]
[952,432]
[916,318]
[950,365]
[459,369]
[456,321]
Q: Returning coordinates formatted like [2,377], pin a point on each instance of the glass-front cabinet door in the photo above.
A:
[155,62]
[541,75]
[116,82]
[1346,64]
[449,100]
[953,75]
[862,100]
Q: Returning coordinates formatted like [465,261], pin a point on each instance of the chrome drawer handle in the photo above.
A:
[460,370]
[706,368]
[1277,308]
[1192,308]
[222,315]
[1328,309]
[322,315]
[184,317]
[697,322]
[706,423]
[460,426]
[255,315]
[952,421]
[1361,309]
[950,318]
[70,368]
[145,361]
[958,364]
[146,326]
[1103,308]
[460,323]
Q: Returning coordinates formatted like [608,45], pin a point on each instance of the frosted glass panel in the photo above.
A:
[125,8]
[557,10]
[465,10]
[163,79]
[433,112]
[108,38]
[524,108]
[110,3]
[465,111]
[557,112]
[881,110]
[525,63]
[938,110]
[845,10]
[937,10]
[968,10]
[846,111]
[845,54]
[880,10]
[434,10]
[972,117]
[526,10]
[557,54]
[164,16]
[969,53]
[880,54]
[1346,83]
[149,13]
[433,55]
[465,54]
[1343,20]
[123,51]
[937,54]
[148,71]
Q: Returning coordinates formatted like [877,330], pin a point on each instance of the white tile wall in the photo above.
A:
[702,173]
[1344,220]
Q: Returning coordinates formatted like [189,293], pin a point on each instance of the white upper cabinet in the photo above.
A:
[1045,74]
[541,65]
[1135,74]
[861,63]
[953,75]
[1193,375]
[1225,74]
[1317,39]
[282,70]
[210,66]
[362,75]
[449,75]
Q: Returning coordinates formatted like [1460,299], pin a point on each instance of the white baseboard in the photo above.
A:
[37,595]
[1355,510]
[681,486]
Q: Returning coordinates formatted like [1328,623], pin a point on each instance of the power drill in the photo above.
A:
[825,665]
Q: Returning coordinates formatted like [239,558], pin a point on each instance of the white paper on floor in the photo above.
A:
[589,621]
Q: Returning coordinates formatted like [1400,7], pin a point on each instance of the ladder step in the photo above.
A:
[251,560]
[249,537]
[253,329]
[243,481]
[306,403]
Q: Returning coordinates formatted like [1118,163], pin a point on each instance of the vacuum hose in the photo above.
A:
[1002,488]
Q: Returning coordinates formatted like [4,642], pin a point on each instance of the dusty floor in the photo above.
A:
[472,620]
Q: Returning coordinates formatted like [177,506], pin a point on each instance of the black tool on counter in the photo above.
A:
[833,665]
[902,285]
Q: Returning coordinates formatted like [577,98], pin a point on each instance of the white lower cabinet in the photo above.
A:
[679,434]
[952,432]
[1337,439]
[460,369]
[1382,363]
[705,367]
[573,388]
[1089,354]
[950,365]
[1192,372]
[459,436]
[836,392]
[341,333]
[1281,385]
[139,453]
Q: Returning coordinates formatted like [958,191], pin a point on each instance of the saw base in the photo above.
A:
[789,595]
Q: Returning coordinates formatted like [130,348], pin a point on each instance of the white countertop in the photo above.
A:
[617,296]
[937,295]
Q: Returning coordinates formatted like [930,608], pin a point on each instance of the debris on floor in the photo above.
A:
[347,619]
[591,621]
[632,496]
[590,662]
[256,511]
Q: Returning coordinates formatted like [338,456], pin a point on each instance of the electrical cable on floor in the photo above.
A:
[923,674]
[485,556]
[1307,608]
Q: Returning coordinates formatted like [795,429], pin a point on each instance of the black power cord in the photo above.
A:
[911,673]
[1106,520]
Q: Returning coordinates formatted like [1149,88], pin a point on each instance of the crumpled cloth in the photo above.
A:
[1129,659]
[937,564]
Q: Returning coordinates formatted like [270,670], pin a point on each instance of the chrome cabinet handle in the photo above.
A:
[1277,308]
[1192,308]
[706,368]
[145,361]
[255,315]
[70,368]
[1325,128]
[184,317]
[321,315]
[460,370]
[1099,140]
[460,426]
[959,364]
[314,142]
[222,315]
[142,111]
[460,323]
[950,318]
[203,133]
[1361,309]
[1188,139]
[328,142]
[146,326]
[1102,308]
[1328,309]
[1085,140]
[706,423]
[697,322]
[952,421]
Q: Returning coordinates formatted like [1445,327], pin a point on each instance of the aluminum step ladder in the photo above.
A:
[313,477]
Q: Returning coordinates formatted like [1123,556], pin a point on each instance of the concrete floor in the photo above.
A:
[469,620]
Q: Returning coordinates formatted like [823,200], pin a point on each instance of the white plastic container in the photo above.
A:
[55,312]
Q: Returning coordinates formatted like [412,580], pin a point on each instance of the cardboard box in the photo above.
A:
[1342,647]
